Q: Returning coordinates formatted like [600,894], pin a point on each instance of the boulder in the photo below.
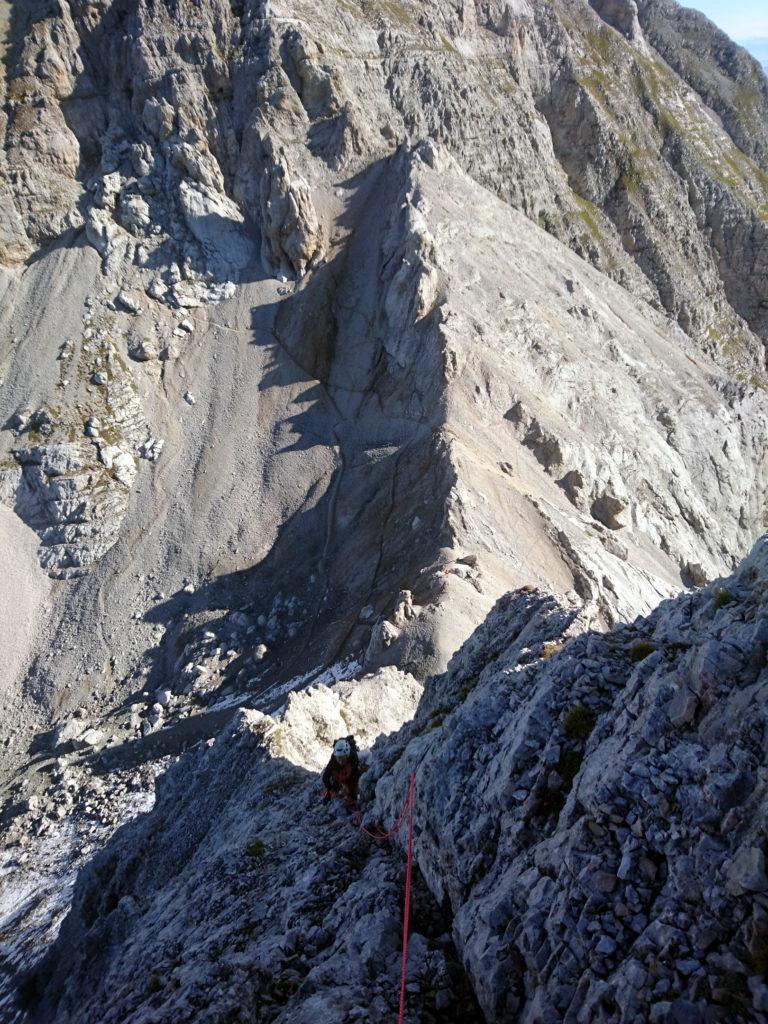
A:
[747,873]
[69,730]
[90,738]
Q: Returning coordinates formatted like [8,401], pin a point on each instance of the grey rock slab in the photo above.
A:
[746,872]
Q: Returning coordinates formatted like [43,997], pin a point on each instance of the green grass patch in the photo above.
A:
[550,648]
[254,848]
[579,722]
[588,215]
[640,650]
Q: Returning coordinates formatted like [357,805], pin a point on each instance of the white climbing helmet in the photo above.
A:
[341,748]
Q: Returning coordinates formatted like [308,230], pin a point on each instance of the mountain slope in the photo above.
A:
[588,813]
[269,143]
[326,325]
[506,451]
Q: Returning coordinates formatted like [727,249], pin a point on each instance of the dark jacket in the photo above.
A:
[343,774]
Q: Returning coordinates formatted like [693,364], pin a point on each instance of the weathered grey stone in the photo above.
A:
[542,341]
[69,730]
[747,872]
[90,738]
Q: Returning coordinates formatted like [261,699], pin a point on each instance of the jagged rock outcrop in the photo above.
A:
[322,327]
[591,808]
[588,813]
[295,871]
[290,233]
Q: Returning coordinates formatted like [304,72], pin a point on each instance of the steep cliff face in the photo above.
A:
[206,249]
[722,73]
[239,122]
[323,326]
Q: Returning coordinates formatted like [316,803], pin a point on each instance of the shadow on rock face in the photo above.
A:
[378,478]
[240,888]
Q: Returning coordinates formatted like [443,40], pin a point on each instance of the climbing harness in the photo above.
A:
[407,806]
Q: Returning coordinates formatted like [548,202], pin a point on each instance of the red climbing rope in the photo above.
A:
[407,805]
[407,907]
[383,835]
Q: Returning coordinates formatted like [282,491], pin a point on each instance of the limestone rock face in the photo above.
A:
[323,326]
[592,839]
[289,226]
[576,843]
[327,154]
[439,370]
[722,73]
[622,15]
[250,84]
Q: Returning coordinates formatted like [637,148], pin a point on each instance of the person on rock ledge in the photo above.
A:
[342,773]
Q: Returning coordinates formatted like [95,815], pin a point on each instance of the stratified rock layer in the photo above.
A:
[322,327]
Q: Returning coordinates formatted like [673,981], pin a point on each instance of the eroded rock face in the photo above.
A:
[289,228]
[590,806]
[183,164]
[622,15]
[429,302]
[587,813]
[255,108]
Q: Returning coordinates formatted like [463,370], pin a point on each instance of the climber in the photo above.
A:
[342,773]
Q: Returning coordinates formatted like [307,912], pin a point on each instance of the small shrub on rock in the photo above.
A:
[579,722]
[551,647]
[254,848]
[640,650]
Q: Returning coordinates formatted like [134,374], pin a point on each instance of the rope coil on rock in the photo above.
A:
[380,836]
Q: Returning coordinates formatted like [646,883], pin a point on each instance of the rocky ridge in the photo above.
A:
[587,816]
[222,190]
[508,465]
[602,842]
[301,371]
[168,159]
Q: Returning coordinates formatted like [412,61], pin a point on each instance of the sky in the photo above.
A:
[741,19]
